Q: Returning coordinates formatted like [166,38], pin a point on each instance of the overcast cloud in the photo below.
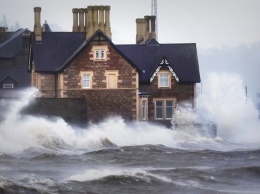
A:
[227,32]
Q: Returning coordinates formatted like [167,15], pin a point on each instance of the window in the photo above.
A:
[164,80]
[8,85]
[169,109]
[111,79]
[164,109]
[100,54]
[144,109]
[86,80]
[159,109]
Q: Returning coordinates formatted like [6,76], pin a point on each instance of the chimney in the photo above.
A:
[86,20]
[153,27]
[37,24]
[98,17]
[140,30]
[81,19]
[75,27]
[107,22]
[95,18]
[89,21]
[101,18]
[147,28]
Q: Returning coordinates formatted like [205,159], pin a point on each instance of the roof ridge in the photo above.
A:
[12,37]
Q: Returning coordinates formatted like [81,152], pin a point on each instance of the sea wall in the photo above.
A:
[72,110]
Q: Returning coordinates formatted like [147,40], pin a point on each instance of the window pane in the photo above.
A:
[102,54]
[144,107]
[169,109]
[86,81]
[97,54]
[164,80]
[159,109]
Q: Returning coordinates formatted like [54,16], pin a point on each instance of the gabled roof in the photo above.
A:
[12,45]
[54,49]
[57,50]
[182,59]
[18,74]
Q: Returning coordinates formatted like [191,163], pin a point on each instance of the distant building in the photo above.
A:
[144,81]
[14,53]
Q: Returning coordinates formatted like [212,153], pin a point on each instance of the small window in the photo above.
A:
[100,54]
[169,109]
[164,80]
[159,109]
[8,85]
[86,80]
[144,110]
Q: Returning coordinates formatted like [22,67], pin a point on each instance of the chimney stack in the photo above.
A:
[75,27]
[89,21]
[96,17]
[37,24]
[145,29]
[153,27]
[107,22]
[81,19]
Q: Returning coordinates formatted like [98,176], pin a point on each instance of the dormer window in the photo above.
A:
[164,80]
[8,86]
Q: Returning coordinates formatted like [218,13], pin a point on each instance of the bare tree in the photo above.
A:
[3,22]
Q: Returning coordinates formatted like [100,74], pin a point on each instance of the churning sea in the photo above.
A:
[43,155]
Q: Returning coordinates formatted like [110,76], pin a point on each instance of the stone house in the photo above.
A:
[144,81]
[14,52]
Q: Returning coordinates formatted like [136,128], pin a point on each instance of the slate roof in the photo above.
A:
[55,48]
[19,74]
[12,45]
[181,57]
[58,49]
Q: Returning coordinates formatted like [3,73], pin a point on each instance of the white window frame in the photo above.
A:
[161,84]
[164,108]
[115,73]
[8,86]
[144,109]
[100,52]
[82,75]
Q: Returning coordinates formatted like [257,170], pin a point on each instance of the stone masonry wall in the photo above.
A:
[181,92]
[103,102]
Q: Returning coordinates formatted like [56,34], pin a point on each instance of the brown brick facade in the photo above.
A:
[102,102]
[178,92]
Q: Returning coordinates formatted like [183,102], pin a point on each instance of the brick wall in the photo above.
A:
[181,92]
[102,102]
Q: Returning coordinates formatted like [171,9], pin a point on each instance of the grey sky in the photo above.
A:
[209,23]
[219,27]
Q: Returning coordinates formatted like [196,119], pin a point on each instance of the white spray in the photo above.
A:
[225,103]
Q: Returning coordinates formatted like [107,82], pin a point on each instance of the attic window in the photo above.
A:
[164,80]
[100,53]
[8,86]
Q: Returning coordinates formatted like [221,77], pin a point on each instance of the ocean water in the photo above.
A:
[43,155]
